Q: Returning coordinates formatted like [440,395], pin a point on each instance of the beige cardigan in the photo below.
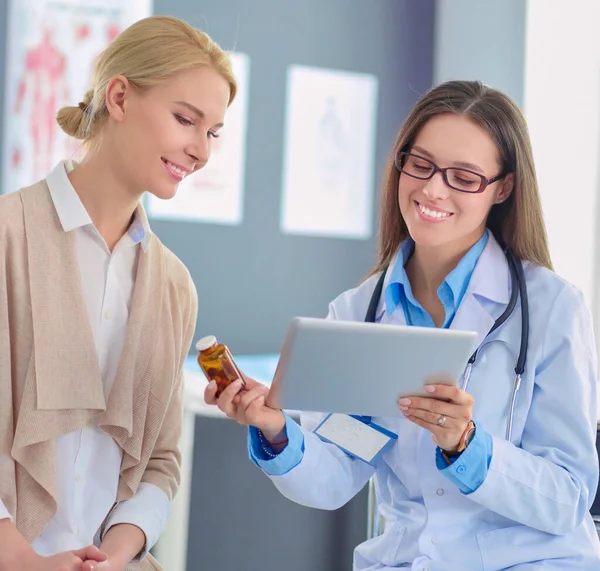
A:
[50,379]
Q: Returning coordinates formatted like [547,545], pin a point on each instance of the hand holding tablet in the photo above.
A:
[363,368]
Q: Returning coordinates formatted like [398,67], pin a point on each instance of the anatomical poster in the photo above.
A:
[329,153]
[51,49]
[215,193]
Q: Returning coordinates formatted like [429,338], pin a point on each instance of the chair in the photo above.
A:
[595,509]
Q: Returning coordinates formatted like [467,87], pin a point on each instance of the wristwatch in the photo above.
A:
[464,441]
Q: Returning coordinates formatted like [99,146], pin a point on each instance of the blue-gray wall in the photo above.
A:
[481,39]
[261,277]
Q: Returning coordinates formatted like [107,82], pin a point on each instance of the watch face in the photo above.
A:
[469,436]
[464,441]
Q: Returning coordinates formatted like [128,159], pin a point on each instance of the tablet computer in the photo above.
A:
[363,368]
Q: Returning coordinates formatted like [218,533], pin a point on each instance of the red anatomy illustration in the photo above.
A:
[44,82]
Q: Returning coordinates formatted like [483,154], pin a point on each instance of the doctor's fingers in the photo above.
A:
[450,393]
[251,383]
[433,419]
[210,393]
[447,437]
[248,397]
[438,407]
[257,412]
[226,403]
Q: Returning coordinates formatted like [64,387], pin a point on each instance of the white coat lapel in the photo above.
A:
[490,282]
[397,317]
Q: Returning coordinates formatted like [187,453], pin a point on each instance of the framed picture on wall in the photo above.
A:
[51,49]
[329,153]
[215,194]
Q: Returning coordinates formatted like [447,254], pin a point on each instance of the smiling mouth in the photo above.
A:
[433,214]
[175,170]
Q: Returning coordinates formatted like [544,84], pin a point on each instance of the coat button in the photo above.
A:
[460,469]
[434,540]
[440,492]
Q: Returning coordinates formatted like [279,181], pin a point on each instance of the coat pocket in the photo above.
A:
[518,545]
[385,549]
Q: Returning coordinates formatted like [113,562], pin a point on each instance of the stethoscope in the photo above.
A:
[518,289]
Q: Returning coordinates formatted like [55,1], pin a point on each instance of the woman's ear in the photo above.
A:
[508,183]
[116,91]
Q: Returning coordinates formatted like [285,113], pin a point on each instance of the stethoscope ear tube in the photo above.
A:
[512,302]
[520,368]
[518,289]
[518,266]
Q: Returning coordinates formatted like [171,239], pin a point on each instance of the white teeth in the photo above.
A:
[433,213]
[176,169]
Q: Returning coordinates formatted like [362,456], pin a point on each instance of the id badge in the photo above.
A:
[356,436]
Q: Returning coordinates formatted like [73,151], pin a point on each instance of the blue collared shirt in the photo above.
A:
[451,292]
[467,472]
[470,472]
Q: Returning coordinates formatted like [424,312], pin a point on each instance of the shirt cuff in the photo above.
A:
[4,513]
[149,510]
[287,459]
[470,469]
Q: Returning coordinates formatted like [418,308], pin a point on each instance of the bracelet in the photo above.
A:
[266,446]
[271,444]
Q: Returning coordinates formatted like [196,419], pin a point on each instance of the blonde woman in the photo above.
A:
[500,472]
[97,316]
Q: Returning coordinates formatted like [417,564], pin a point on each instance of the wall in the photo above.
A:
[562,106]
[481,39]
[3,20]
[252,279]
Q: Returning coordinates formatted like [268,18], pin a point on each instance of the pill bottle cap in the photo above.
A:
[206,342]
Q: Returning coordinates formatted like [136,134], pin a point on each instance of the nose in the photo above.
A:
[199,151]
[436,188]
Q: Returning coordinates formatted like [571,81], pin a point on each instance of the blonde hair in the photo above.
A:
[517,223]
[147,53]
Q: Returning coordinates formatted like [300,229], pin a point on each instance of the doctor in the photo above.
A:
[456,494]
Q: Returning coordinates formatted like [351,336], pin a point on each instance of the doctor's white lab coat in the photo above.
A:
[532,510]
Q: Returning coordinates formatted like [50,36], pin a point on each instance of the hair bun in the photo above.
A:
[71,120]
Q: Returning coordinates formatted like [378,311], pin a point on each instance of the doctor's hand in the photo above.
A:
[247,406]
[447,421]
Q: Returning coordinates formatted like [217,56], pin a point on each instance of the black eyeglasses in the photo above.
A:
[463,180]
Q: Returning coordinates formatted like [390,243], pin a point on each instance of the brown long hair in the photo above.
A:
[516,223]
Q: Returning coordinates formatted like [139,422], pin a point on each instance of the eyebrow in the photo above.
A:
[197,111]
[471,166]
